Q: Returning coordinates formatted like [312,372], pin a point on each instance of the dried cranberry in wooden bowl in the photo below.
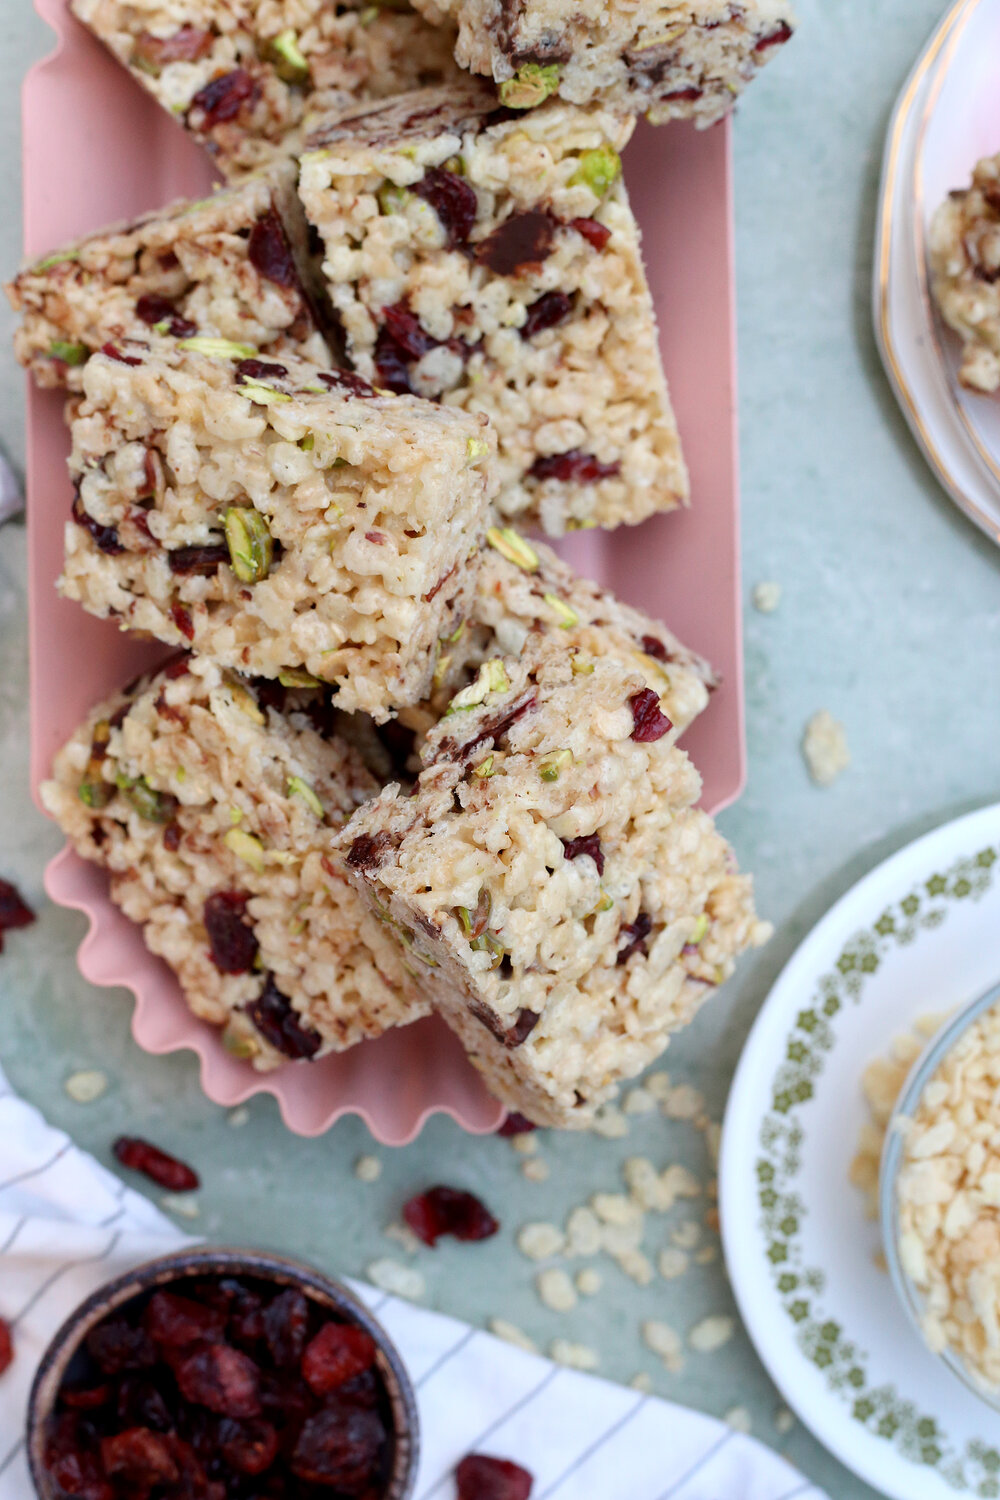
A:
[218,1373]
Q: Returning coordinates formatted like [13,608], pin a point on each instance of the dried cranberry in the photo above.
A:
[338,1353]
[549,311]
[115,1346]
[361,1390]
[259,369]
[593,231]
[6,1347]
[222,99]
[575,466]
[174,1321]
[166,1171]
[516,1124]
[182,619]
[452,199]
[781,33]
[85,1397]
[341,1447]
[112,351]
[650,723]
[178,665]
[637,932]
[392,364]
[14,912]
[405,328]
[224,1379]
[248,1447]
[588,843]
[520,243]
[231,939]
[445,1210]
[106,537]
[653,646]
[346,380]
[522,1028]
[142,1404]
[202,561]
[76,1473]
[286,1327]
[274,1017]
[189,44]
[482,1478]
[682,96]
[153,309]
[139,1457]
[269,251]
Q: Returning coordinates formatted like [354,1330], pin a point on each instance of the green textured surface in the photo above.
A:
[889,617]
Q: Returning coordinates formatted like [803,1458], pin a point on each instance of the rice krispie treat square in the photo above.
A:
[285,521]
[492,263]
[234,265]
[569,903]
[244,75]
[209,798]
[658,58]
[964,251]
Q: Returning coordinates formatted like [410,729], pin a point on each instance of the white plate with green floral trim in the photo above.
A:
[921,933]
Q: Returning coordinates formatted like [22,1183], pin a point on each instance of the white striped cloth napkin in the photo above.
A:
[67,1225]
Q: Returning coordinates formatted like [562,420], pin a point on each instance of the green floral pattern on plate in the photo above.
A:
[880,1409]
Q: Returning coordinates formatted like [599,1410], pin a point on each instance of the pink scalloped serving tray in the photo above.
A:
[96,149]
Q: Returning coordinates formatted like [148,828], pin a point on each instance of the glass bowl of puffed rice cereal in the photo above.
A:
[939,1195]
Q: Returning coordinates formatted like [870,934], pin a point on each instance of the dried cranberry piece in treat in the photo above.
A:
[201,561]
[588,843]
[516,1124]
[581,468]
[140,1403]
[139,1457]
[259,369]
[115,1346]
[76,1473]
[113,352]
[391,364]
[248,1447]
[222,99]
[637,933]
[178,665]
[106,537]
[153,309]
[166,1171]
[286,1327]
[445,1210]
[340,1447]
[189,44]
[405,328]
[182,619]
[269,252]
[551,309]
[452,199]
[338,1353]
[277,1022]
[174,1321]
[682,96]
[232,941]
[14,912]
[593,231]
[346,380]
[6,1347]
[650,723]
[781,33]
[518,244]
[482,1478]
[219,1377]
[653,646]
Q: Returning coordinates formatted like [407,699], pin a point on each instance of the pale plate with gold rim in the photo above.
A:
[919,934]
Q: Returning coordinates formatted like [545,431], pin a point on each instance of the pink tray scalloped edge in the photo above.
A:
[97,149]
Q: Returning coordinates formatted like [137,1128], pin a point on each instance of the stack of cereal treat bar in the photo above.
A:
[402,759]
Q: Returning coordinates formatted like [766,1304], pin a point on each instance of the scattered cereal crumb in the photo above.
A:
[664,1341]
[637,1266]
[86,1086]
[738,1418]
[556,1289]
[368,1169]
[641,1381]
[659,1085]
[683,1102]
[621,1239]
[184,1205]
[536,1170]
[710,1334]
[615,1208]
[511,1334]
[539,1241]
[639,1102]
[686,1235]
[824,746]
[610,1123]
[713,1139]
[583,1231]
[402,1281]
[575,1356]
[680,1183]
[525,1144]
[588,1282]
[783,1421]
[672,1263]
[239,1117]
[766,597]
[712,1219]
[707,1255]
[402,1235]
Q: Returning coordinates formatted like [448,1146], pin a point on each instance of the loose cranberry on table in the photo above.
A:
[14,910]
[482,1478]
[222,1388]
[166,1171]
[6,1347]
[444,1210]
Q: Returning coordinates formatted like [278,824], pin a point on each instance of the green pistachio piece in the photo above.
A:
[251,546]
[217,348]
[155,807]
[56,260]
[574,525]
[295,677]
[599,170]
[567,617]
[581,667]
[489,943]
[95,794]
[531,85]
[606,903]
[263,394]
[492,678]
[308,443]
[247,848]
[299,788]
[550,765]
[700,928]
[455,164]
[239,1043]
[69,354]
[484,768]
[513,547]
[393,199]
[289,62]
[245,701]
[476,448]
